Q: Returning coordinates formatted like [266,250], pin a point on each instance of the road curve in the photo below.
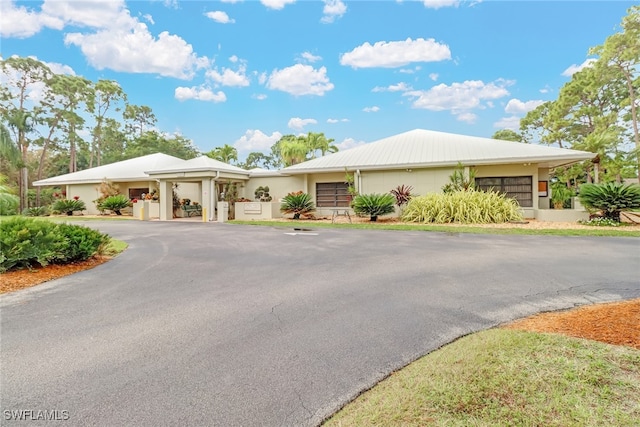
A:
[229,325]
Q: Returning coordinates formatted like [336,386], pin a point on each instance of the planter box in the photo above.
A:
[249,211]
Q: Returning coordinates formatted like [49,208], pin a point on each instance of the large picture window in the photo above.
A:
[136,193]
[332,195]
[517,187]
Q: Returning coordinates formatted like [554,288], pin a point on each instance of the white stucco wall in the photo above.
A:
[279,186]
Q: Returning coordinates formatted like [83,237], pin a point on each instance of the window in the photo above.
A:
[517,187]
[136,193]
[332,195]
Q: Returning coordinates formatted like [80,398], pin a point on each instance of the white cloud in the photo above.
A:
[400,87]
[573,68]
[262,77]
[332,121]
[259,96]
[373,109]
[300,80]
[220,17]
[199,93]
[297,123]
[410,70]
[437,4]
[433,76]
[512,122]
[469,118]
[229,77]
[58,68]
[515,106]
[333,9]
[545,89]
[256,140]
[20,22]
[459,96]
[149,18]
[395,54]
[234,59]
[348,143]
[231,1]
[309,57]
[96,14]
[276,4]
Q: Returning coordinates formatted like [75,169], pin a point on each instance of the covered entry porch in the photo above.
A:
[207,179]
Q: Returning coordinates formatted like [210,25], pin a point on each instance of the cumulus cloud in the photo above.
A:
[573,68]
[433,76]
[396,54]
[512,122]
[259,96]
[299,80]
[349,143]
[220,17]
[332,121]
[400,87]
[256,140]
[21,22]
[199,93]
[515,106]
[296,123]
[373,109]
[459,97]
[469,118]
[276,4]
[96,14]
[229,77]
[309,57]
[410,70]
[332,9]
[58,68]
[437,4]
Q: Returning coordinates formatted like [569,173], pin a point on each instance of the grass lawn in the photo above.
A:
[622,231]
[505,377]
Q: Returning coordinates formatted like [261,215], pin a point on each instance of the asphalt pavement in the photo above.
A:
[207,324]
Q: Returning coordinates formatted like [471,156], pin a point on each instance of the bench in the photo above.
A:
[191,209]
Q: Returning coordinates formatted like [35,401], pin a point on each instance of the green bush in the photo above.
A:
[82,243]
[465,207]
[298,203]
[36,211]
[68,206]
[115,203]
[374,205]
[610,198]
[26,242]
[9,202]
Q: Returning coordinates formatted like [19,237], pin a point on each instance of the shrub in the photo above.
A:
[610,198]
[262,194]
[465,207]
[459,181]
[82,243]
[25,242]
[373,205]
[36,211]
[9,202]
[402,194]
[560,194]
[115,203]
[298,203]
[68,206]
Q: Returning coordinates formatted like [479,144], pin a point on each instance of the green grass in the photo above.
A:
[115,247]
[504,377]
[594,231]
[76,218]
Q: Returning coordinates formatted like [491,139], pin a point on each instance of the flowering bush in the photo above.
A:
[600,222]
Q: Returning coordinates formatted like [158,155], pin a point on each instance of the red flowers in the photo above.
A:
[76,197]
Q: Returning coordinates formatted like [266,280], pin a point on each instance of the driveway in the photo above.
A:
[228,325]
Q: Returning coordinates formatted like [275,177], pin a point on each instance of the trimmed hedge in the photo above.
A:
[26,242]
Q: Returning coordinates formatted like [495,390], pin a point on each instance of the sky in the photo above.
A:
[244,73]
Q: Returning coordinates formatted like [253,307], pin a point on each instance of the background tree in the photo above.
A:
[18,111]
[106,93]
[257,159]
[151,142]
[508,135]
[226,154]
[138,118]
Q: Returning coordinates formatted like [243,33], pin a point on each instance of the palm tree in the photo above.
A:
[9,151]
[226,154]
[293,149]
[317,141]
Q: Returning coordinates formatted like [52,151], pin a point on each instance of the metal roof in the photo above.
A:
[425,148]
[199,164]
[126,170]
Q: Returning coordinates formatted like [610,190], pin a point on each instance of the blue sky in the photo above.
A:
[247,72]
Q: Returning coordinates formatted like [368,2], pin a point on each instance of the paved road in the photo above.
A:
[227,325]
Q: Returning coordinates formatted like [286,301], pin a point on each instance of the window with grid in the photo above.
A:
[517,187]
[332,195]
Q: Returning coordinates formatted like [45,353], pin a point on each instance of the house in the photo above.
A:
[419,158]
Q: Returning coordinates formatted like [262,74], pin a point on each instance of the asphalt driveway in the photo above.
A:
[228,325]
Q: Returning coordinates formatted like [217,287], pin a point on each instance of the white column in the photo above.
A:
[166,200]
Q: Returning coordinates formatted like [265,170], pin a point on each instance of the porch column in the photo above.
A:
[205,185]
[166,200]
